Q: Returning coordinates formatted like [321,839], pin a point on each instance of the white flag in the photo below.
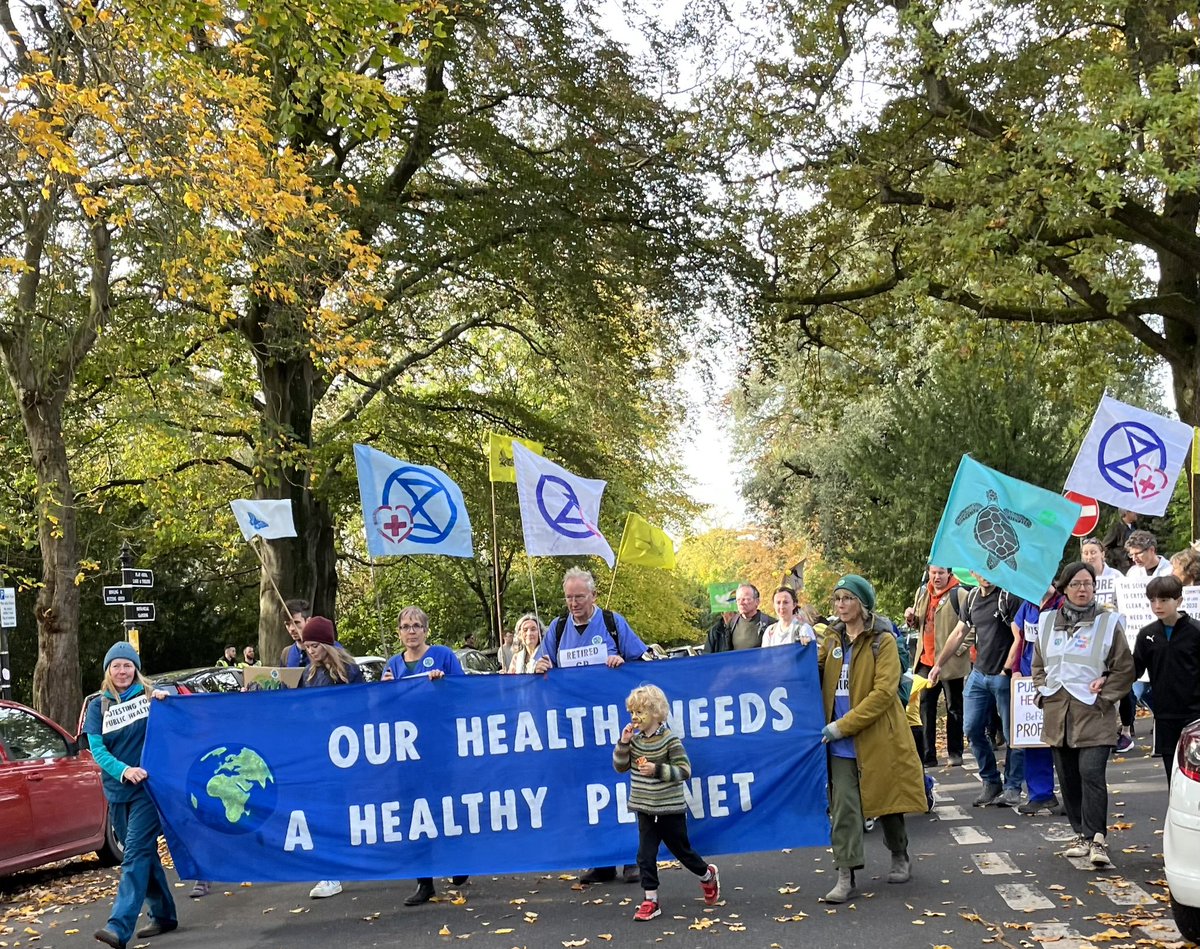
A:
[267,518]
[560,511]
[1130,458]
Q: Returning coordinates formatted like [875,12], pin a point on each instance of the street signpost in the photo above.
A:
[115,596]
[139,612]
[132,578]
[8,619]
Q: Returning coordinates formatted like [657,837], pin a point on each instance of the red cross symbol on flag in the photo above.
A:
[394,523]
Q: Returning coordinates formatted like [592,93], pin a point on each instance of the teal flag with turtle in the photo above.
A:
[1008,531]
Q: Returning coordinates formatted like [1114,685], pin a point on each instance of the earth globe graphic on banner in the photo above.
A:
[232,790]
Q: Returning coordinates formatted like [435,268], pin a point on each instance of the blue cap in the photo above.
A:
[122,651]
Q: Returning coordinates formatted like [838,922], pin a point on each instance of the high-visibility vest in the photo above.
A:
[1074,656]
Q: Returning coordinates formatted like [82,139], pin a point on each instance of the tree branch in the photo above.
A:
[393,372]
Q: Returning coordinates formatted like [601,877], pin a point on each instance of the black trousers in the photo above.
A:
[1082,779]
[953,690]
[669,829]
[1166,737]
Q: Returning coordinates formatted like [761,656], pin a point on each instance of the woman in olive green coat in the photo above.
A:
[873,765]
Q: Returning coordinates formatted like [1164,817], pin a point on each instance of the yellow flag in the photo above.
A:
[646,545]
[500,459]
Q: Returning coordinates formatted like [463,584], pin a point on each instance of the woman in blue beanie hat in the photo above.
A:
[116,730]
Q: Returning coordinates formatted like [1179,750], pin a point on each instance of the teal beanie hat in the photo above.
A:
[859,588]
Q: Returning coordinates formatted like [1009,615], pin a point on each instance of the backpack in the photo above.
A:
[610,623]
[904,689]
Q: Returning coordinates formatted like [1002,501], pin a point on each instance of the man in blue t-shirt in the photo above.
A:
[588,641]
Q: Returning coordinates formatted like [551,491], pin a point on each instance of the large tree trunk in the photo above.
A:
[56,682]
[304,566]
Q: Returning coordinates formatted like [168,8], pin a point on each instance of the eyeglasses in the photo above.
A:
[1080,585]
[847,598]
[410,627]
[1134,552]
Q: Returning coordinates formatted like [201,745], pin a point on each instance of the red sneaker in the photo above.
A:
[712,889]
[648,910]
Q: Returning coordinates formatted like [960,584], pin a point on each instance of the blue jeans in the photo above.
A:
[142,877]
[981,695]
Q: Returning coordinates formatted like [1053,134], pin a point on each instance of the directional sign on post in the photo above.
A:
[139,612]
[115,596]
[137,578]
[8,607]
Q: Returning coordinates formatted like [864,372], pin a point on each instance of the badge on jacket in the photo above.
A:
[837,652]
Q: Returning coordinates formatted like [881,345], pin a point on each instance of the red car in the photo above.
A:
[52,805]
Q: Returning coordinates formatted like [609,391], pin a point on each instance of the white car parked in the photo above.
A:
[1181,841]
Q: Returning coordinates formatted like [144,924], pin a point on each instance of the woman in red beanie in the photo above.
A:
[328,664]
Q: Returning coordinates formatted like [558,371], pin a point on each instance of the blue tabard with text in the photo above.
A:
[481,774]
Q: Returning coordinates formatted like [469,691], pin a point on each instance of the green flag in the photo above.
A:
[722,597]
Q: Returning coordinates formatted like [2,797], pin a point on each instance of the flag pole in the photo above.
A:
[617,565]
[496,568]
[263,564]
[1193,474]
[533,587]
[383,642]
[613,583]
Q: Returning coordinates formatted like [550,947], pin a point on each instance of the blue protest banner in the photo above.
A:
[480,774]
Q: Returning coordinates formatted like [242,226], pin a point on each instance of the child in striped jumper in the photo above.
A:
[658,766]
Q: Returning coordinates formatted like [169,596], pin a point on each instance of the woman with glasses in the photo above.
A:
[1082,667]
[874,768]
[433,662]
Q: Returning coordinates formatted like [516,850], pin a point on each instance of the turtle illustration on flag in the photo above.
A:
[993,530]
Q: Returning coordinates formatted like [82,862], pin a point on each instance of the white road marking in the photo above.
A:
[992,864]
[1057,832]
[1123,893]
[1162,930]
[1058,936]
[969,835]
[951,812]
[1022,897]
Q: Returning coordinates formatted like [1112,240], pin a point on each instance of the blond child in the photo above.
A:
[658,766]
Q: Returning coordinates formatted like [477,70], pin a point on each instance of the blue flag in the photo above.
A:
[410,509]
[1009,532]
[481,774]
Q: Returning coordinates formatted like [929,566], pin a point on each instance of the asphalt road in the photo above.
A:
[982,876]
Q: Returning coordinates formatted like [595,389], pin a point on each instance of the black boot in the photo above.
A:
[422,894]
[460,880]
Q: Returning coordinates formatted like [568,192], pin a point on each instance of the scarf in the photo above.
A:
[1075,615]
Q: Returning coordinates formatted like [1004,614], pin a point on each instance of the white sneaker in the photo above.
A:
[1079,847]
[1098,852]
[326,888]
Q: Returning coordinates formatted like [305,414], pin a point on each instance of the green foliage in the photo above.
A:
[862,458]
[1028,161]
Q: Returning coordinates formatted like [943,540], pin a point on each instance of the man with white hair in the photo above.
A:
[587,636]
